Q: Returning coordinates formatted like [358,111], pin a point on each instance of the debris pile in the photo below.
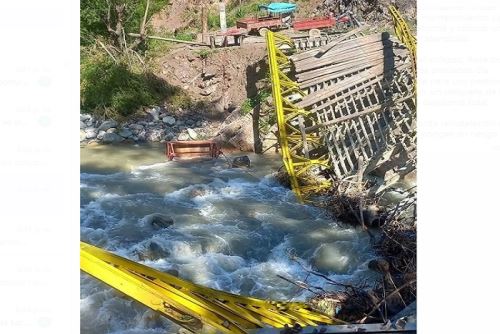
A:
[360,93]
[373,11]
[360,108]
[395,242]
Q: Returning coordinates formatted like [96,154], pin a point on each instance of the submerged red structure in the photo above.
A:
[192,149]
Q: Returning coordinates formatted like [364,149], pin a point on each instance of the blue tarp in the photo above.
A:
[280,7]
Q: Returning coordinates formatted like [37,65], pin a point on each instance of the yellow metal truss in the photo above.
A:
[191,305]
[404,34]
[293,142]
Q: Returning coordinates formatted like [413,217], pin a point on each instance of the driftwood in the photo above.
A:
[360,303]
[376,307]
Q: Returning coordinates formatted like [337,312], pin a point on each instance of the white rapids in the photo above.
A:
[233,230]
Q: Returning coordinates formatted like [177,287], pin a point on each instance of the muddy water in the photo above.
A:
[232,231]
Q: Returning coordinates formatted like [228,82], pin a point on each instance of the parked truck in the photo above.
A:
[280,15]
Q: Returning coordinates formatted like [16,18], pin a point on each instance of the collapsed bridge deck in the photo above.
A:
[341,107]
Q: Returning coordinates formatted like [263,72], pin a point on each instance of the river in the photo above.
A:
[232,231]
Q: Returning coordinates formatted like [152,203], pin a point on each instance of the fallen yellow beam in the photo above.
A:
[190,305]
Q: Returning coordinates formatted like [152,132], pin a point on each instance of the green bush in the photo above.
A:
[109,89]
[246,107]
[185,36]
[213,20]
[205,53]
[250,103]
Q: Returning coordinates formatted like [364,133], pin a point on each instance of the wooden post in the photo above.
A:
[204,23]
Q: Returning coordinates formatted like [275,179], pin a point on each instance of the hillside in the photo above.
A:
[125,78]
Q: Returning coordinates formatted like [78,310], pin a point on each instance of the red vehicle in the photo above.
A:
[279,22]
[261,24]
[314,23]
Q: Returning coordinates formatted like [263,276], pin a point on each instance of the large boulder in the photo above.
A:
[82,125]
[125,133]
[110,138]
[155,112]
[169,136]
[107,125]
[192,134]
[169,120]
[183,136]
[237,132]
[85,117]
[159,220]
[83,135]
[91,133]
[136,127]
[155,135]
[141,136]
[101,134]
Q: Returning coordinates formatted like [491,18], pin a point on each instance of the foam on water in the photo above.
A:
[233,231]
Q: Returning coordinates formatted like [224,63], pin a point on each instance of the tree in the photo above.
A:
[112,20]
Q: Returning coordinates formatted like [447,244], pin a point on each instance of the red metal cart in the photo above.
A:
[192,149]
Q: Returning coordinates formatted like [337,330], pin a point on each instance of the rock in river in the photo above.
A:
[109,138]
[332,257]
[153,252]
[159,220]
[243,161]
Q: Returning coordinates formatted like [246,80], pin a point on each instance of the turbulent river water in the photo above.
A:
[233,229]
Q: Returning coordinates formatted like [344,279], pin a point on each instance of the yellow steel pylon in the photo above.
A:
[294,143]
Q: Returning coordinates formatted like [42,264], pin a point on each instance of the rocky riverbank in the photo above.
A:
[160,124]
[156,126]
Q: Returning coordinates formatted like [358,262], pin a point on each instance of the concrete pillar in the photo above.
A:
[222,15]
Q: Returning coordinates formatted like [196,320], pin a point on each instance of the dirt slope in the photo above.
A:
[172,17]
[223,78]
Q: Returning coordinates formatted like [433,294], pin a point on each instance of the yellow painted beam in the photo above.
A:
[191,305]
[290,138]
[404,34]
